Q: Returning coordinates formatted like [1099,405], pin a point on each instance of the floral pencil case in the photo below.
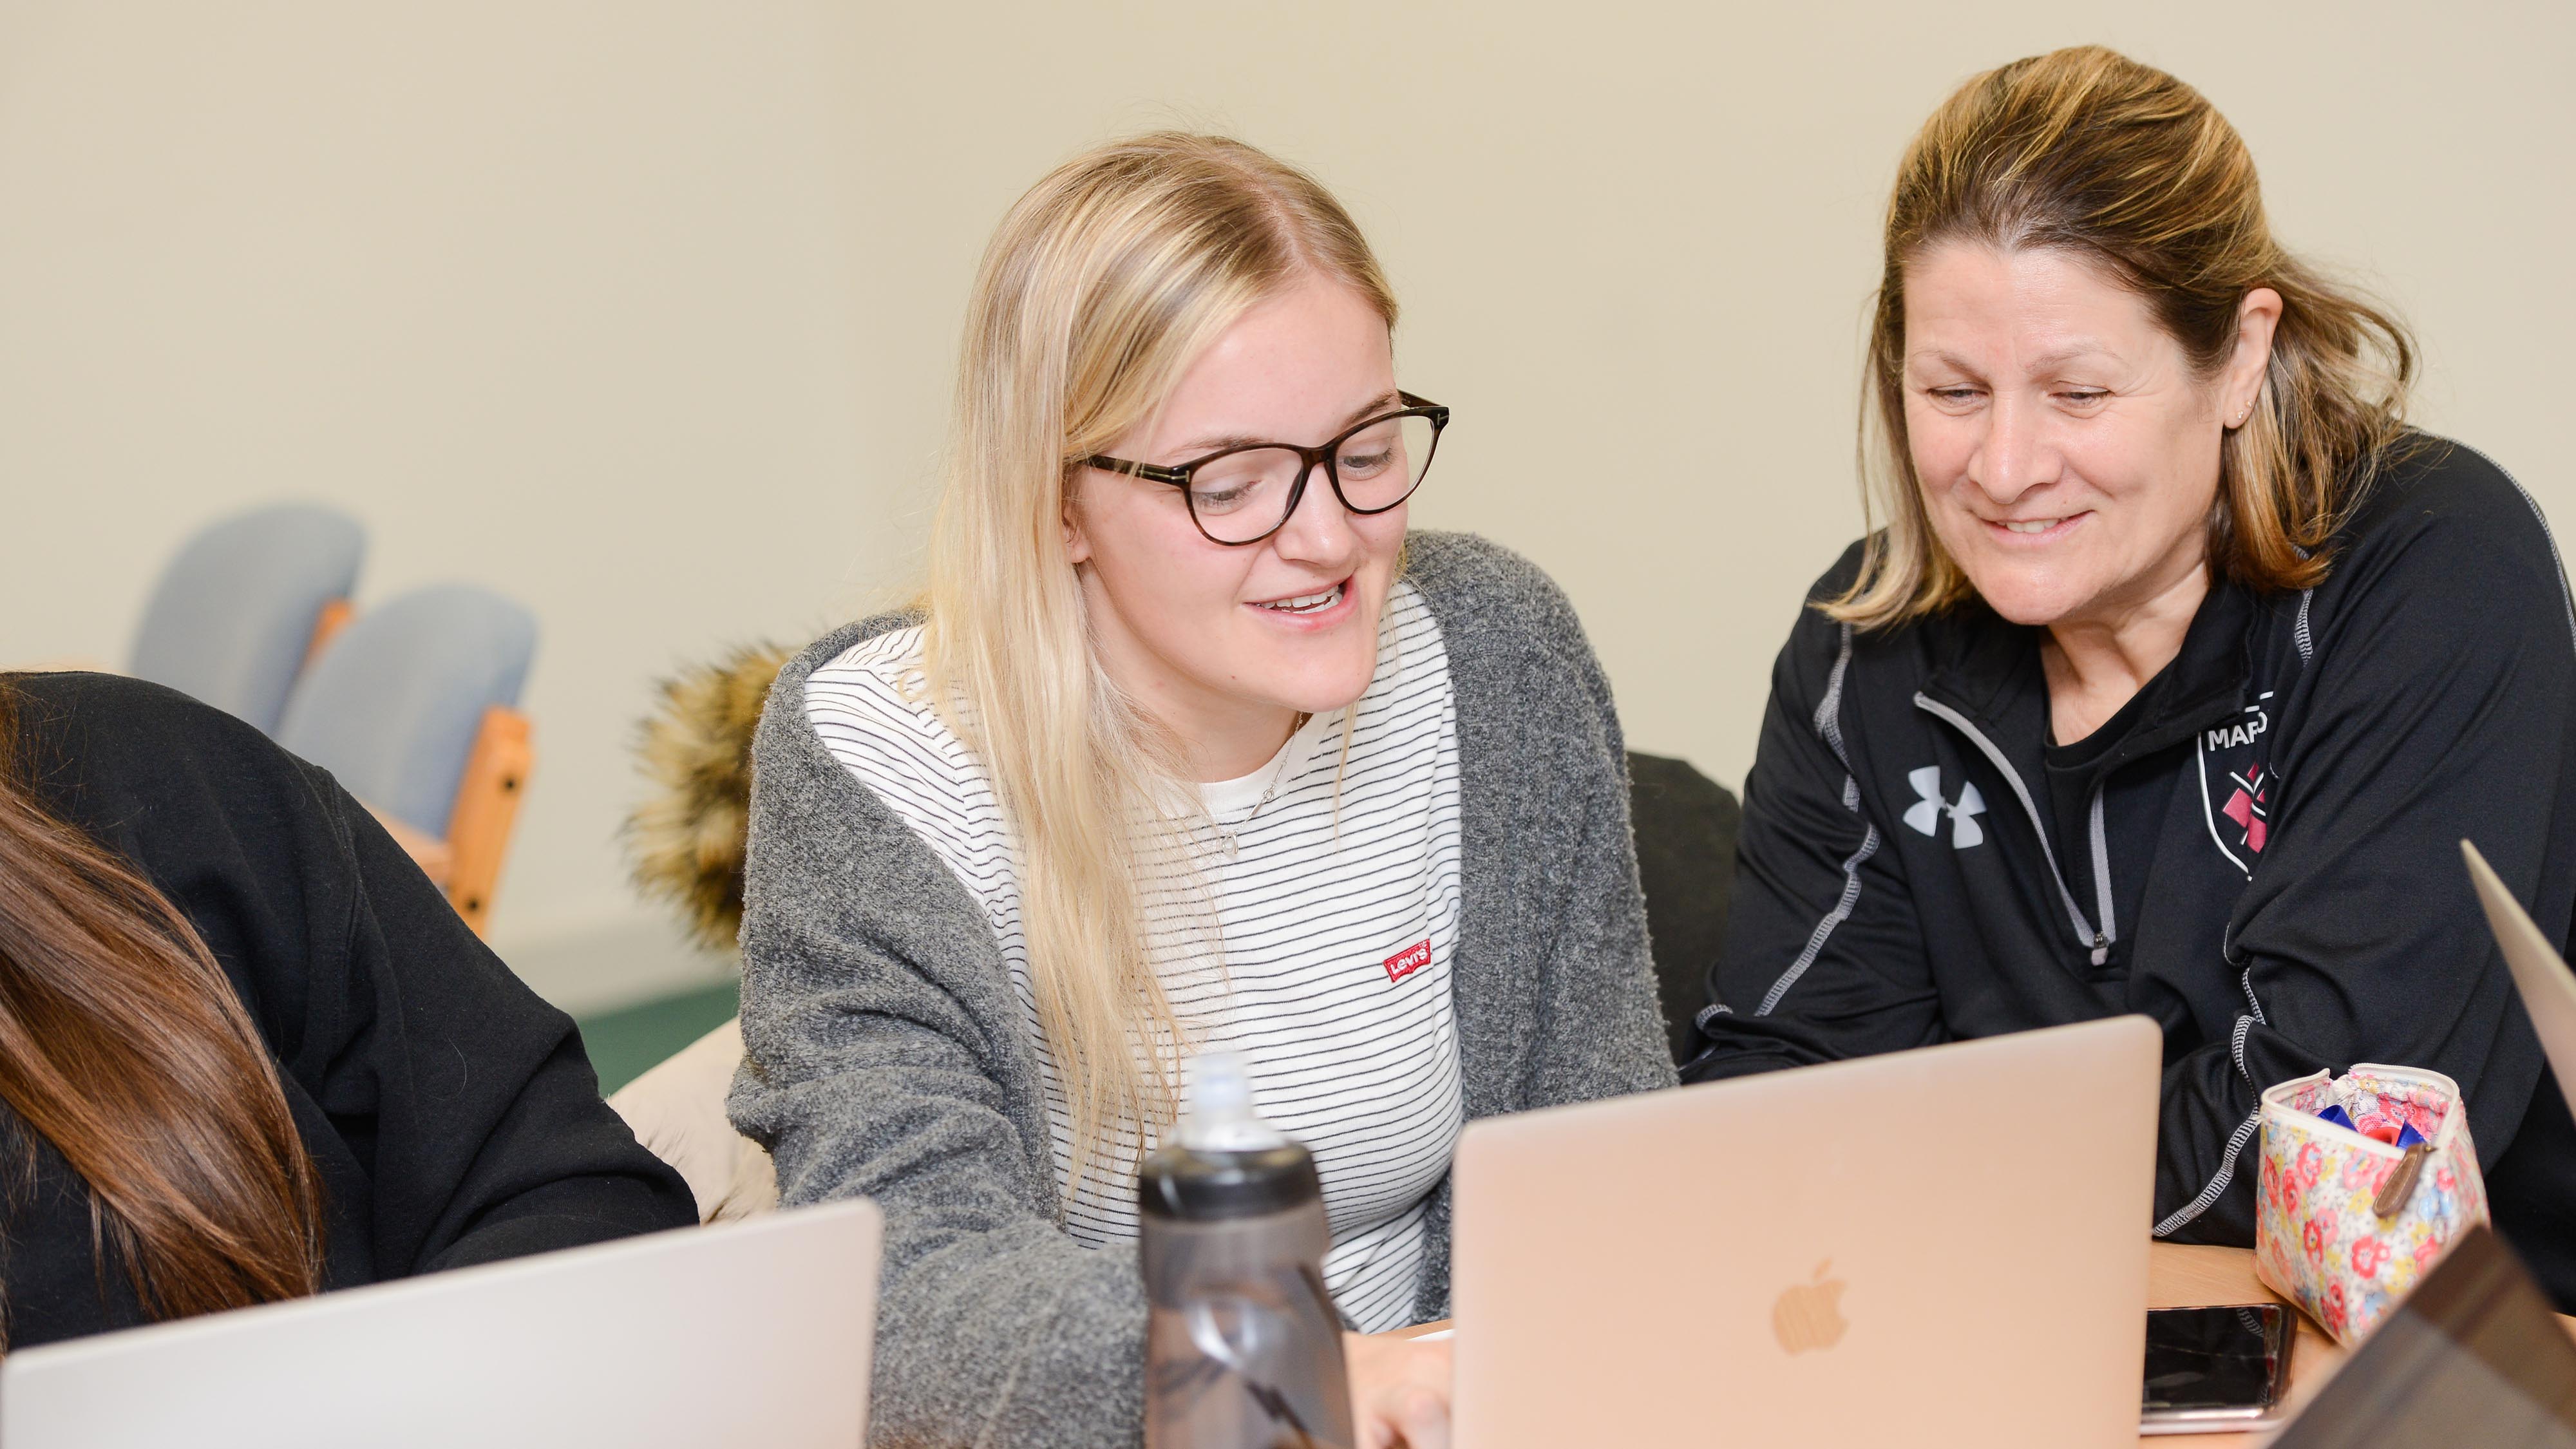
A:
[2348,1220]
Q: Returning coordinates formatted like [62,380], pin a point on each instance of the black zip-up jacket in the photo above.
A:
[2266,860]
[452,1115]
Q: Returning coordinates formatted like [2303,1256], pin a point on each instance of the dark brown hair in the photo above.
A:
[2089,152]
[124,1046]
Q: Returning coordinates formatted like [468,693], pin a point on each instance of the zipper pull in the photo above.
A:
[2399,1186]
[2101,948]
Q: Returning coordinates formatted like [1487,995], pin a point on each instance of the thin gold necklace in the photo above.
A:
[1278,777]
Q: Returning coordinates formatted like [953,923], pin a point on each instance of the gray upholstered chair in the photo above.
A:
[414,707]
[245,603]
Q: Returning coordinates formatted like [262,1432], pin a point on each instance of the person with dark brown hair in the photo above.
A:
[2177,674]
[247,1051]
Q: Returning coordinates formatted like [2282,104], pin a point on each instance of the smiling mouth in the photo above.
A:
[1307,603]
[2032,527]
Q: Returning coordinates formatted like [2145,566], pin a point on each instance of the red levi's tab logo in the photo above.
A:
[1407,961]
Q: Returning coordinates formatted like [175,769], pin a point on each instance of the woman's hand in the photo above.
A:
[1399,1390]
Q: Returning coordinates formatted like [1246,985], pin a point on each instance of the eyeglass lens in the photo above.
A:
[1243,496]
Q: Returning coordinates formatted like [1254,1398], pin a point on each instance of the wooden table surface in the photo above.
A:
[2182,1276]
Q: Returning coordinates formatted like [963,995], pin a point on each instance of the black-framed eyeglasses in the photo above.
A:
[1246,493]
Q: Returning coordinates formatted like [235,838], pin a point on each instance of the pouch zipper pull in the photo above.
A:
[2392,1195]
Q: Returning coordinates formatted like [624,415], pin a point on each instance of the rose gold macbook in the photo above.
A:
[2539,973]
[754,1332]
[1937,1247]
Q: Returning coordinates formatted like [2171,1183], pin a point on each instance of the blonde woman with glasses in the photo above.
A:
[1190,745]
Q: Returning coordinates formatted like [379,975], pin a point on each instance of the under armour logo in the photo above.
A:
[1925,815]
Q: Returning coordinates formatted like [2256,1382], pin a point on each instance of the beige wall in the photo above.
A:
[643,312]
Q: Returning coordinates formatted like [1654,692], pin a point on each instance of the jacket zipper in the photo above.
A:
[2097,940]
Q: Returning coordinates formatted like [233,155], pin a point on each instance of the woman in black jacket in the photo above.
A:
[2177,676]
[247,1052]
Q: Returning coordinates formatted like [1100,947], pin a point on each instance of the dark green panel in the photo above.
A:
[625,1043]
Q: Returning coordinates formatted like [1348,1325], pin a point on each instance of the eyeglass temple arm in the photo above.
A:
[1150,472]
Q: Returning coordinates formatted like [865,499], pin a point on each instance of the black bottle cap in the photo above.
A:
[1197,1186]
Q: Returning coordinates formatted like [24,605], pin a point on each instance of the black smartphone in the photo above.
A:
[2211,1369]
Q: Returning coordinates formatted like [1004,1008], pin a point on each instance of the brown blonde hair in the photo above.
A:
[2089,152]
[123,1044]
[1100,287]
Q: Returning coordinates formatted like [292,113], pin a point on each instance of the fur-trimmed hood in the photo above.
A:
[685,841]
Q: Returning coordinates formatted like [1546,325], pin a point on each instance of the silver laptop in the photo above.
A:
[755,1332]
[1930,1248]
[2548,990]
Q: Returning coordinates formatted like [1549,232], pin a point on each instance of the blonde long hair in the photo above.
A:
[2092,153]
[1100,288]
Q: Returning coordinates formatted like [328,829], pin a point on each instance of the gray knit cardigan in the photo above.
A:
[885,1053]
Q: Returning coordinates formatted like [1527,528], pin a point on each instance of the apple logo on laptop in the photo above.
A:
[1807,1315]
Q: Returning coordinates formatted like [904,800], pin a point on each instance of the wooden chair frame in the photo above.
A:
[487,810]
[335,616]
[466,866]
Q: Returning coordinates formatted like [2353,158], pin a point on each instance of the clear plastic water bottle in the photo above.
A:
[1244,1348]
